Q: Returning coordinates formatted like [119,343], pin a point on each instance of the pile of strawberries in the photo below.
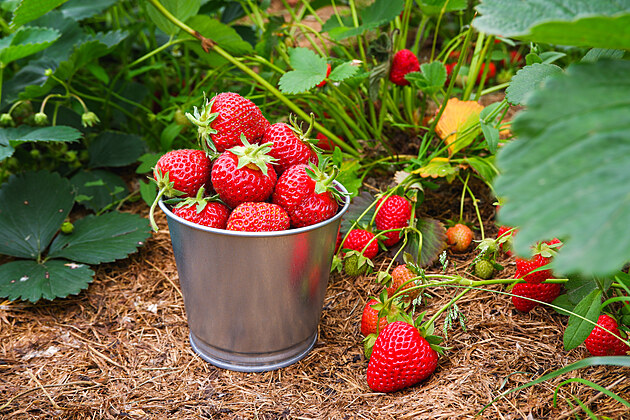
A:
[251,175]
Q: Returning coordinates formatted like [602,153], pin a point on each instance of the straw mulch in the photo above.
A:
[120,350]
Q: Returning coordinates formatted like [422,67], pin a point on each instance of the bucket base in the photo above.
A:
[251,362]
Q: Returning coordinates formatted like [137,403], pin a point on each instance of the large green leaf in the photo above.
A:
[224,35]
[527,80]
[28,280]
[91,48]
[578,327]
[58,133]
[602,23]
[81,9]
[98,188]
[567,175]
[104,238]
[182,10]
[115,149]
[33,205]
[71,35]
[29,10]
[24,42]
[308,70]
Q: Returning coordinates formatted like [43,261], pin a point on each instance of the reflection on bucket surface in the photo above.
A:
[253,300]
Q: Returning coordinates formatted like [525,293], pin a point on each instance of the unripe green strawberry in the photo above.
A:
[355,263]
[484,269]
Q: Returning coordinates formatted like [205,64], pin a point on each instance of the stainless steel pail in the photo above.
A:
[253,300]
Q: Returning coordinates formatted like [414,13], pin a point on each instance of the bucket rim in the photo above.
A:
[287,232]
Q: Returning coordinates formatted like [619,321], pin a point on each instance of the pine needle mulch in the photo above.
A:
[120,350]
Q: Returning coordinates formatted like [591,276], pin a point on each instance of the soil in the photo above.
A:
[120,349]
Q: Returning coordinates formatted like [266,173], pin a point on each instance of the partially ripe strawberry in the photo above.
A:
[402,275]
[404,62]
[225,118]
[401,357]
[363,241]
[370,322]
[258,217]
[392,212]
[544,292]
[204,211]
[603,343]
[244,173]
[459,237]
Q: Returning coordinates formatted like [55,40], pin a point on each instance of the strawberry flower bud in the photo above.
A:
[41,119]
[6,120]
[89,119]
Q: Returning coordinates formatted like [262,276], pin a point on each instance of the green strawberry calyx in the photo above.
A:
[165,187]
[254,156]
[203,119]
[200,201]
[324,175]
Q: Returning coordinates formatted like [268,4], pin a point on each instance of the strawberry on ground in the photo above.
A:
[205,211]
[323,82]
[392,212]
[244,173]
[403,63]
[603,343]
[402,275]
[289,145]
[459,237]
[363,241]
[258,217]
[543,253]
[182,173]
[225,119]
[307,193]
[544,292]
[484,269]
[370,322]
[401,357]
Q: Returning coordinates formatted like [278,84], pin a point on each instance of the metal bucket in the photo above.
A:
[253,300]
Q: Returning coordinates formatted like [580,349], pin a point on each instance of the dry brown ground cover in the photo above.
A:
[120,350]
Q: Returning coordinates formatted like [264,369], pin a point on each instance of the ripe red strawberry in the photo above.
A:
[492,71]
[603,343]
[404,62]
[543,254]
[360,239]
[324,142]
[323,82]
[258,217]
[205,211]
[224,118]
[459,237]
[307,193]
[401,357]
[180,172]
[393,212]
[370,322]
[244,173]
[289,145]
[402,275]
[544,292]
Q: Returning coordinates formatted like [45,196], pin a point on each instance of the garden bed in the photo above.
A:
[120,349]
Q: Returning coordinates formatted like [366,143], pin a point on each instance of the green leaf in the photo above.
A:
[596,54]
[58,133]
[309,70]
[111,189]
[431,77]
[71,35]
[29,10]
[104,238]
[24,42]
[148,192]
[425,247]
[80,9]
[147,162]
[579,287]
[491,135]
[527,80]
[434,7]
[33,205]
[93,47]
[343,71]
[28,280]
[567,174]
[182,10]
[224,35]
[378,13]
[603,24]
[563,302]
[578,328]
[6,150]
[115,149]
